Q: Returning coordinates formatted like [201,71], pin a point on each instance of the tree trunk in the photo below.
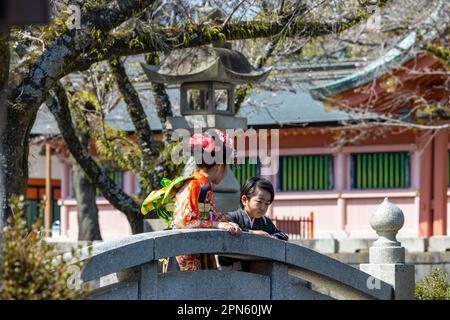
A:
[4,76]
[118,199]
[88,226]
[14,144]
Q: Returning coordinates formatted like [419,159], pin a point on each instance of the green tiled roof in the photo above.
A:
[386,63]
[285,108]
[262,108]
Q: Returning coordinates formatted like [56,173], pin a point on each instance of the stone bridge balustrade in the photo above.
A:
[279,270]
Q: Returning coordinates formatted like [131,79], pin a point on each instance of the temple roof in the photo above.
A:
[206,63]
[383,65]
[262,109]
[388,62]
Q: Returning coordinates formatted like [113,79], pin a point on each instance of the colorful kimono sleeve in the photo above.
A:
[187,213]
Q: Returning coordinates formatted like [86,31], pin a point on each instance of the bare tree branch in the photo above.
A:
[59,106]
[176,37]
[58,60]
[140,121]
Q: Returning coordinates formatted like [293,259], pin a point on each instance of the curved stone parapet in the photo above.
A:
[275,264]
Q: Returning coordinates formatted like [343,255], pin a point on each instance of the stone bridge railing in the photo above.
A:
[279,270]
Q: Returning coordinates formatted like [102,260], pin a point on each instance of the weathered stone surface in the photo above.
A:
[213,285]
[335,271]
[205,63]
[352,245]
[116,291]
[439,243]
[283,285]
[386,255]
[299,289]
[424,258]
[319,245]
[148,281]
[113,256]
[207,121]
[417,244]
[351,258]
[387,220]
[129,275]
[399,276]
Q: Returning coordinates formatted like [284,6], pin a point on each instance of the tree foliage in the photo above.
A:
[31,268]
[433,287]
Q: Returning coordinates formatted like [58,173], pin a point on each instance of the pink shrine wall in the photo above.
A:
[338,213]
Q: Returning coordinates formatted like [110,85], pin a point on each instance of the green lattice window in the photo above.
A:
[387,170]
[249,168]
[305,173]
[117,177]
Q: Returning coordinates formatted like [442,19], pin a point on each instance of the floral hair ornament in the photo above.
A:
[207,143]
[227,142]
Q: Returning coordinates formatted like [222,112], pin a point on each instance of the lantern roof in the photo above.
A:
[206,63]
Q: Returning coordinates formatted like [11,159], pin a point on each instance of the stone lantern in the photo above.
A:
[207,77]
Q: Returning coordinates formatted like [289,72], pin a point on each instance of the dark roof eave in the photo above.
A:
[336,123]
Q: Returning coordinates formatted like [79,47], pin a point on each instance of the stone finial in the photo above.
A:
[387,256]
[387,220]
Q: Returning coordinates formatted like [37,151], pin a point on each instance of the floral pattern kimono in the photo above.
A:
[194,208]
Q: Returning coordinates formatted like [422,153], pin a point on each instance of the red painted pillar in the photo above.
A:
[340,174]
[440,183]
[425,184]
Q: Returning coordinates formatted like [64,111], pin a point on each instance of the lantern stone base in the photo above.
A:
[204,121]
[399,276]
[226,201]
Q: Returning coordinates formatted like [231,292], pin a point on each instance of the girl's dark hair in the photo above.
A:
[202,163]
[250,186]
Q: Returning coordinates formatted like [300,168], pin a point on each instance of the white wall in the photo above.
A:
[36,164]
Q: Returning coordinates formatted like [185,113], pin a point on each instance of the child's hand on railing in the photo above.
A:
[231,227]
[260,233]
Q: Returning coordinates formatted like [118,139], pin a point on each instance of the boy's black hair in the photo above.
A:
[250,186]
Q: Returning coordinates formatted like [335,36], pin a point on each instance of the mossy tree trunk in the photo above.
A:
[85,193]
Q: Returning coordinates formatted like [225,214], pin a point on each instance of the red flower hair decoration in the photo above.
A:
[207,141]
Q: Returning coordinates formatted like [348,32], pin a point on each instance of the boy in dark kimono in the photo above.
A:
[256,196]
[262,226]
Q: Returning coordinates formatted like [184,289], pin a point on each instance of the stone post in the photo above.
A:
[387,256]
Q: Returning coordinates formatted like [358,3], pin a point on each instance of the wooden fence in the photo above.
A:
[302,228]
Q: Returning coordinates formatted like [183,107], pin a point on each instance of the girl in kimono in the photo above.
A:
[194,204]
